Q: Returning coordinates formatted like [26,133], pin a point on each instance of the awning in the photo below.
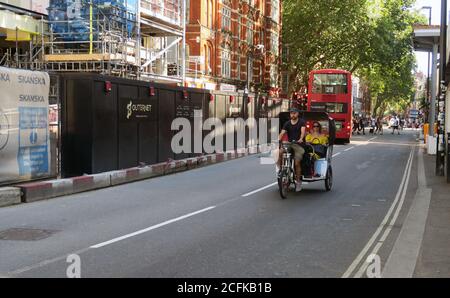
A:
[425,37]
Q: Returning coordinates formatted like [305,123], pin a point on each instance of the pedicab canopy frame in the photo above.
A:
[309,117]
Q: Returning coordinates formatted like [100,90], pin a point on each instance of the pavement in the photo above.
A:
[434,256]
[228,220]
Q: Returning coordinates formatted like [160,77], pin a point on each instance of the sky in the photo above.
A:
[435,20]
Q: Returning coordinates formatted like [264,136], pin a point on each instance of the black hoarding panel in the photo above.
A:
[166,111]
[199,115]
[148,130]
[221,114]
[126,126]
[148,142]
[210,106]
[105,127]
[77,128]
[129,117]
[183,109]
[250,105]
[235,110]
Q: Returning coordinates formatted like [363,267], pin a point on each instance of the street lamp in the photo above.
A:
[259,50]
[429,15]
[428,61]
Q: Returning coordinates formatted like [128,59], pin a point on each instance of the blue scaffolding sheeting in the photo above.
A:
[73,20]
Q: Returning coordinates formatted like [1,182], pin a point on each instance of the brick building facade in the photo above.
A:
[234,44]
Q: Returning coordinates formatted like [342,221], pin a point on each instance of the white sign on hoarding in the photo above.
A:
[227,88]
[210,86]
[24,127]
[197,59]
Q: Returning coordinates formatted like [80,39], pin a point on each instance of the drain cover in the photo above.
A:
[21,234]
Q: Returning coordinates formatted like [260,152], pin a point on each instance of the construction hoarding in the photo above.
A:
[24,128]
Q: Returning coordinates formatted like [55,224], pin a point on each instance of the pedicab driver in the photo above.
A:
[295,130]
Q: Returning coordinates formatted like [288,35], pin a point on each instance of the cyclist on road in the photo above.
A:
[296,131]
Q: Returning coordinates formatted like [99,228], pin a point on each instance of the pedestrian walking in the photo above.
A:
[379,126]
[355,127]
[373,125]
[395,122]
[361,126]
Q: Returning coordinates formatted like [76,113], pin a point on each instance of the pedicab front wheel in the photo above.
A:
[283,184]
[329,179]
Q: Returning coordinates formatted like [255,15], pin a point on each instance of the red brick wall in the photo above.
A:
[239,49]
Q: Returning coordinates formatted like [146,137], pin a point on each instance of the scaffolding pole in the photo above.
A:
[183,55]
[91,36]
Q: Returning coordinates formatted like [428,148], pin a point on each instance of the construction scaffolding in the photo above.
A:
[142,40]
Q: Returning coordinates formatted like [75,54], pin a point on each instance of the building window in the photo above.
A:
[226,18]
[226,64]
[261,74]
[238,68]
[239,27]
[188,7]
[276,10]
[210,13]
[205,54]
[209,58]
[250,32]
[273,75]
[274,43]
[187,53]
[250,70]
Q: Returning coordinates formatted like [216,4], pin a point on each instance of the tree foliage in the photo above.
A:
[370,38]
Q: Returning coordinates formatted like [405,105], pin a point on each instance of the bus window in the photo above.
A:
[330,84]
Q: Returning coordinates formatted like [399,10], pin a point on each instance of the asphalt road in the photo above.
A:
[221,221]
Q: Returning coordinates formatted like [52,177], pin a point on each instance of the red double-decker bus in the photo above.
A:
[330,90]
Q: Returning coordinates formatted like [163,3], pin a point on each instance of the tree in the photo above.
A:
[389,70]
[324,34]
[370,38]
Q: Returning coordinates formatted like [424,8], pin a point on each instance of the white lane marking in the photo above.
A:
[151,228]
[336,154]
[358,259]
[372,139]
[363,165]
[403,258]
[266,187]
[348,149]
[386,233]
[79,252]
[259,189]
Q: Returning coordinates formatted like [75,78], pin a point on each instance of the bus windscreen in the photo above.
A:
[330,84]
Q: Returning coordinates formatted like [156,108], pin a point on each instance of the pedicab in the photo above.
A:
[315,167]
